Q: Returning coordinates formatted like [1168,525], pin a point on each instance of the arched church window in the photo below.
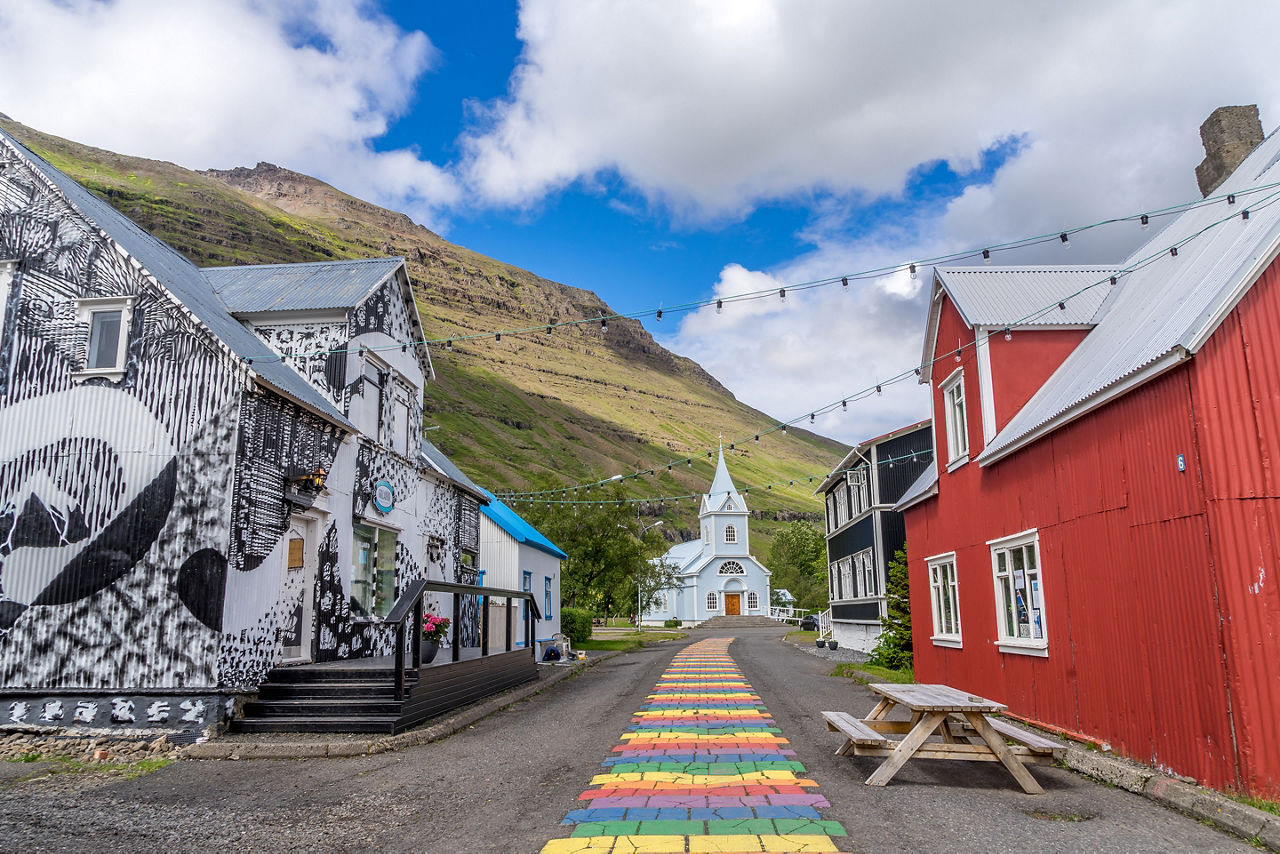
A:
[732,567]
[730,534]
[713,601]
[753,600]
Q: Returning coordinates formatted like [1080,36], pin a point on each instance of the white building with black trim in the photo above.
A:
[716,573]
[863,530]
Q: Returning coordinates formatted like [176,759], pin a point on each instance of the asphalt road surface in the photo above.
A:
[505,784]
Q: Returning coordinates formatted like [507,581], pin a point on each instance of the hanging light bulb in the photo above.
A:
[784,429]
[658,316]
[1113,281]
[1173,251]
[1145,220]
[912,269]
[986,256]
[757,438]
[1066,241]
[690,462]
[957,354]
[604,325]
[448,345]
[810,417]
[548,330]
[497,337]
[1231,198]
[782,294]
[1244,214]
[877,389]
[844,282]
[1062,306]
[1008,335]
[719,306]
[844,405]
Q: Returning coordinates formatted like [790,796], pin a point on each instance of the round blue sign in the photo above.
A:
[384,496]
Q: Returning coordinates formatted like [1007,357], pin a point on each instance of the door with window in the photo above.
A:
[295,626]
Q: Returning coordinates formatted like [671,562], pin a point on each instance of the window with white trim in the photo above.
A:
[546,597]
[860,486]
[753,600]
[731,567]
[108,320]
[842,505]
[954,417]
[944,596]
[713,601]
[833,580]
[846,578]
[831,512]
[864,569]
[1015,561]
[706,533]
[730,534]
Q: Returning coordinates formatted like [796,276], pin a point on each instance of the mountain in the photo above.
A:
[530,411]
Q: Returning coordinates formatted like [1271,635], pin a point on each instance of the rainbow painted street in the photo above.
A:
[702,769]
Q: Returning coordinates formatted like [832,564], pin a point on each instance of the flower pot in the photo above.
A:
[820,644]
[833,644]
[429,650]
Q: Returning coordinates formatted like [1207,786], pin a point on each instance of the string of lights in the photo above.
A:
[890,462]
[877,388]
[911,267]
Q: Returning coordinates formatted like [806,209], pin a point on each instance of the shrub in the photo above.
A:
[576,623]
[671,624]
[893,649]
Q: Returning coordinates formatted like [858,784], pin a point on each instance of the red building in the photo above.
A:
[1096,546]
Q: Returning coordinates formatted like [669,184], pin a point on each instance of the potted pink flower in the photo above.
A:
[434,629]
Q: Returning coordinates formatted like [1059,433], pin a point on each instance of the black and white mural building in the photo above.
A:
[203,473]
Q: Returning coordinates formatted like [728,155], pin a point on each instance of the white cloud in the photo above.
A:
[307,84]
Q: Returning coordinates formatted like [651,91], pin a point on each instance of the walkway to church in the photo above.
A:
[702,769]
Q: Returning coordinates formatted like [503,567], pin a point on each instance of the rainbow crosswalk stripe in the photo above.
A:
[702,769]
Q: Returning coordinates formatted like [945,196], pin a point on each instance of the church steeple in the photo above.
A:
[722,490]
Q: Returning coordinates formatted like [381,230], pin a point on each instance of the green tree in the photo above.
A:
[606,559]
[893,649]
[798,561]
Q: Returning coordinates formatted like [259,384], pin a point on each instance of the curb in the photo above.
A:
[384,743]
[1196,801]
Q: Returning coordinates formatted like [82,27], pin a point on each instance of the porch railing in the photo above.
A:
[411,605]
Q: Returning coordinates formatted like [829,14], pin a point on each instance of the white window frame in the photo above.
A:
[753,600]
[847,589]
[706,533]
[730,534]
[713,601]
[86,309]
[831,512]
[1005,554]
[860,489]
[833,573]
[842,505]
[731,567]
[955,417]
[944,600]
[864,571]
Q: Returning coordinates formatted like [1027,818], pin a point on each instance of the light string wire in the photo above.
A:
[914,456]
[719,302]
[956,353]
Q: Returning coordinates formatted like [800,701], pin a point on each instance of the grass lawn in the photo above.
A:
[801,637]
[864,674]
[72,765]
[629,641]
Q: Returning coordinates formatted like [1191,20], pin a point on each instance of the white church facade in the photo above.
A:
[716,574]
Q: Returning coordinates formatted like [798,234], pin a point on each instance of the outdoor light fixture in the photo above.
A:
[1145,220]
[986,256]
[1066,241]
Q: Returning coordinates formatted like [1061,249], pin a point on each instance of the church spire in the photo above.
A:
[721,488]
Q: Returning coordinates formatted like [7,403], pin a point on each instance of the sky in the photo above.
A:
[660,152]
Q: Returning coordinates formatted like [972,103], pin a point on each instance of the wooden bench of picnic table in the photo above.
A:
[938,710]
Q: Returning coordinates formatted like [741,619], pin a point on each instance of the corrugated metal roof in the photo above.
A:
[184,281]
[924,486]
[1168,307]
[1003,296]
[442,464]
[519,529]
[293,287]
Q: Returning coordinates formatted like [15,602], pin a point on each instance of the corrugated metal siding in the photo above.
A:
[853,539]
[895,478]
[893,532]
[290,287]
[499,556]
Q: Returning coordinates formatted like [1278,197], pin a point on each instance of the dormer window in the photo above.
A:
[954,418]
[730,534]
[108,320]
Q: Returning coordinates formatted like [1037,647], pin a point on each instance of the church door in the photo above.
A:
[733,604]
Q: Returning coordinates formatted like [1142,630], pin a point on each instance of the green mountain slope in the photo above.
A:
[531,411]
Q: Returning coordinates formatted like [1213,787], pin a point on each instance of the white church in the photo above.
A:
[715,575]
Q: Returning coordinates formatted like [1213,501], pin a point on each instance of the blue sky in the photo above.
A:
[663,151]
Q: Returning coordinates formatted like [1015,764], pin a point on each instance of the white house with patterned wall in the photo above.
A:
[716,574]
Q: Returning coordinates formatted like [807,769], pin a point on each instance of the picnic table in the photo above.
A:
[961,720]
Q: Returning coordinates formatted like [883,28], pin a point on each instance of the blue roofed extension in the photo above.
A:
[520,530]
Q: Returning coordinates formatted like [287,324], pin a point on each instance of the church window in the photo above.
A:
[753,600]
[713,601]
[706,533]
[732,567]
[730,534]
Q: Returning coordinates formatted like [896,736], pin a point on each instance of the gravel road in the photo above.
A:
[504,784]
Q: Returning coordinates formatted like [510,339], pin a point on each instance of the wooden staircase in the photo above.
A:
[360,695]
